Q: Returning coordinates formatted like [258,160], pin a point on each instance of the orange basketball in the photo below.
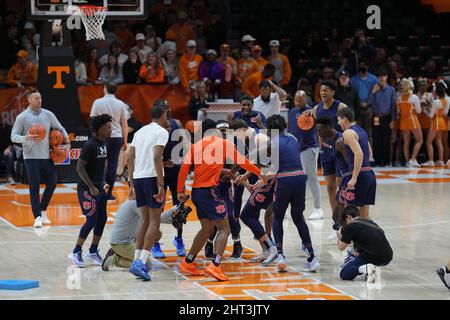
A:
[56,138]
[58,154]
[38,130]
[192,126]
[305,122]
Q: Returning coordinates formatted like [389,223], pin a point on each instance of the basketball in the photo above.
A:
[38,130]
[192,126]
[305,122]
[58,154]
[55,138]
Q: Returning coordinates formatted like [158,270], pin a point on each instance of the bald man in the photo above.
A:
[309,148]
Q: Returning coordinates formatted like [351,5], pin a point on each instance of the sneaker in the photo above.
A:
[371,274]
[38,222]
[77,260]
[237,251]
[281,264]
[179,245]
[428,164]
[157,253]
[93,258]
[109,260]
[272,255]
[135,266]
[316,215]
[332,236]
[413,163]
[445,277]
[440,164]
[209,250]
[261,257]
[312,266]
[190,268]
[11,181]
[45,219]
[142,271]
[216,272]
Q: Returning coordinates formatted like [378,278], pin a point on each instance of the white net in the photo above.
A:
[93,19]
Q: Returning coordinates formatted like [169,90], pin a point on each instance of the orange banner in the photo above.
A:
[140,97]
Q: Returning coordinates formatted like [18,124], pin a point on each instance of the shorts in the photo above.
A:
[210,204]
[263,197]
[330,168]
[90,205]
[364,193]
[146,189]
[289,190]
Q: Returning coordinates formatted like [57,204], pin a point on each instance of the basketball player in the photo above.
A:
[171,170]
[290,190]
[92,191]
[36,154]
[328,107]
[208,156]
[334,139]
[359,188]
[146,174]
[309,149]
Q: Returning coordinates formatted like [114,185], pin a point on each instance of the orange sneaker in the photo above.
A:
[216,272]
[190,268]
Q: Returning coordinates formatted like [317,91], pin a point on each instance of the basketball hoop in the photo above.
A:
[93,18]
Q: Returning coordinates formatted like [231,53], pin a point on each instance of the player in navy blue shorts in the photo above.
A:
[327,132]
[92,190]
[290,190]
[359,188]
[329,107]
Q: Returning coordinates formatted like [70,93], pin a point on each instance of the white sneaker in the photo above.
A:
[332,236]
[281,264]
[440,164]
[45,219]
[93,258]
[413,163]
[312,266]
[428,164]
[273,253]
[38,222]
[261,257]
[371,274]
[317,214]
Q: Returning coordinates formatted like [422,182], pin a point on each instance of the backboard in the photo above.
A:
[58,9]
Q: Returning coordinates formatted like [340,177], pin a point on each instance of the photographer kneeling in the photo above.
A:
[371,248]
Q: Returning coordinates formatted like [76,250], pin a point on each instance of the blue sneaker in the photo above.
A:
[178,243]
[135,268]
[77,259]
[157,253]
[143,271]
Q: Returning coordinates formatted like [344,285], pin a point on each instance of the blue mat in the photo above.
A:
[18,284]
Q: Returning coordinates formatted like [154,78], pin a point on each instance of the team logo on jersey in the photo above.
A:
[220,209]
[260,198]
[87,205]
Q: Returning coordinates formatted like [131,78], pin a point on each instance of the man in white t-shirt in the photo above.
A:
[146,175]
[269,102]
[116,108]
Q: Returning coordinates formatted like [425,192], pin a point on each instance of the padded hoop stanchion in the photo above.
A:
[93,18]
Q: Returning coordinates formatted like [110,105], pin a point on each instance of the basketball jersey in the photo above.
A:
[306,138]
[167,154]
[288,151]
[329,113]
[341,164]
[363,143]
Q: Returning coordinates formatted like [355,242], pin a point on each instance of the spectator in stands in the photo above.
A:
[80,72]
[153,41]
[28,41]
[379,61]
[23,73]
[202,45]
[199,102]
[141,48]
[270,100]
[346,94]
[216,32]
[248,41]
[246,66]
[189,66]
[383,103]
[131,69]
[9,46]
[335,43]
[316,47]
[152,71]
[327,75]
[168,44]
[116,51]
[212,73]
[111,72]
[93,67]
[430,70]
[103,46]
[394,73]
[250,87]
[183,32]
[171,67]
[304,85]
[357,49]
[231,66]
[124,35]
[256,53]
[283,69]
[363,83]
